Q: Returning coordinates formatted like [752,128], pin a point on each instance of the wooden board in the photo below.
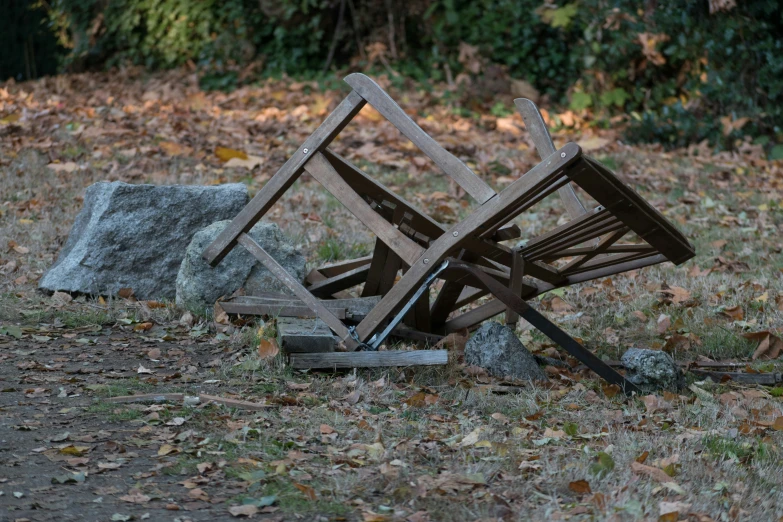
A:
[451,165]
[283,179]
[295,335]
[354,308]
[369,359]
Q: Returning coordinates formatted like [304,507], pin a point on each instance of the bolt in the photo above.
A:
[426,261]
[305,151]
[562,154]
[455,234]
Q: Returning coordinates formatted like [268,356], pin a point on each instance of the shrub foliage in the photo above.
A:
[686,70]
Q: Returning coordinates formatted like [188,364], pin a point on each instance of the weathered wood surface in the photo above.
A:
[539,133]
[369,359]
[320,169]
[451,165]
[500,209]
[284,178]
[295,335]
[353,308]
[299,291]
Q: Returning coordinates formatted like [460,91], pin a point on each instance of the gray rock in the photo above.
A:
[135,236]
[652,370]
[199,285]
[497,349]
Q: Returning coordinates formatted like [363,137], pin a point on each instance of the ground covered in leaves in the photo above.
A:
[402,444]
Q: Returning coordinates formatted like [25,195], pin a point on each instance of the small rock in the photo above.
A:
[200,285]
[135,236]
[652,370]
[498,349]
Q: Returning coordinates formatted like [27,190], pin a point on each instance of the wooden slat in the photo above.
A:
[451,165]
[614,249]
[332,285]
[340,267]
[591,217]
[299,291]
[575,238]
[277,310]
[475,317]
[379,256]
[600,248]
[494,210]
[364,184]
[539,133]
[320,169]
[314,276]
[369,359]
[283,179]
[641,217]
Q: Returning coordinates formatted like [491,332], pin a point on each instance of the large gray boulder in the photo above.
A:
[135,236]
[652,370]
[199,285]
[497,349]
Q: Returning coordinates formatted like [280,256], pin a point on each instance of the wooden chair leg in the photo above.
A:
[517,273]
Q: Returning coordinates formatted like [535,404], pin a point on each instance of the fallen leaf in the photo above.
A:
[136,498]
[246,510]
[734,313]
[307,490]
[225,154]
[580,486]
[651,472]
[663,323]
[143,370]
[250,163]
[67,167]
[267,348]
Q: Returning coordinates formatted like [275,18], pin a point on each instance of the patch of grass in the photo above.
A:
[333,249]
[724,448]
[114,412]
[124,387]
[719,343]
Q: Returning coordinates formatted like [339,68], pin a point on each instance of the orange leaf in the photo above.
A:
[225,154]
[267,348]
[307,490]
[641,458]
[580,486]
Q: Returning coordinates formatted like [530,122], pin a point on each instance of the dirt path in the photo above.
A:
[67,453]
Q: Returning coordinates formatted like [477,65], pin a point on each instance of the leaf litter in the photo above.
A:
[391,445]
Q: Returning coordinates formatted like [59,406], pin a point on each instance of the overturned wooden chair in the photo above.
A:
[470,256]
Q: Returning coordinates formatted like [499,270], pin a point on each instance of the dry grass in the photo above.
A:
[384,446]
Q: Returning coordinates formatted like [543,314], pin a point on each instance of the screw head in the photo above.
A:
[426,261]
[305,151]
[562,154]
[455,234]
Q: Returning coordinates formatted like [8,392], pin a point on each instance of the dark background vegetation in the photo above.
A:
[683,70]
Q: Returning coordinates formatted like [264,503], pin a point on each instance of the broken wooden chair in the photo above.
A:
[469,257]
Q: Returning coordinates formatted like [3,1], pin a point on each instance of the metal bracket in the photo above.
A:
[375,341]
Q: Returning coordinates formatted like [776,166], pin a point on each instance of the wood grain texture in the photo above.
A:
[320,169]
[451,165]
[536,127]
[369,359]
[489,214]
[338,283]
[283,179]
[299,291]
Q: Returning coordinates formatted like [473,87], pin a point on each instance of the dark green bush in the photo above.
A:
[683,73]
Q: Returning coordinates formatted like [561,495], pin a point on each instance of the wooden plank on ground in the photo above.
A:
[369,359]
[296,335]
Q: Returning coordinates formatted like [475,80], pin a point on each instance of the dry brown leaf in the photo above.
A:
[246,510]
[580,486]
[267,348]
[307,490]
[559,306]
[770,346]
[136,497]
[664,322]
[649,471]
[225,154]
[675,294]
[734,313]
